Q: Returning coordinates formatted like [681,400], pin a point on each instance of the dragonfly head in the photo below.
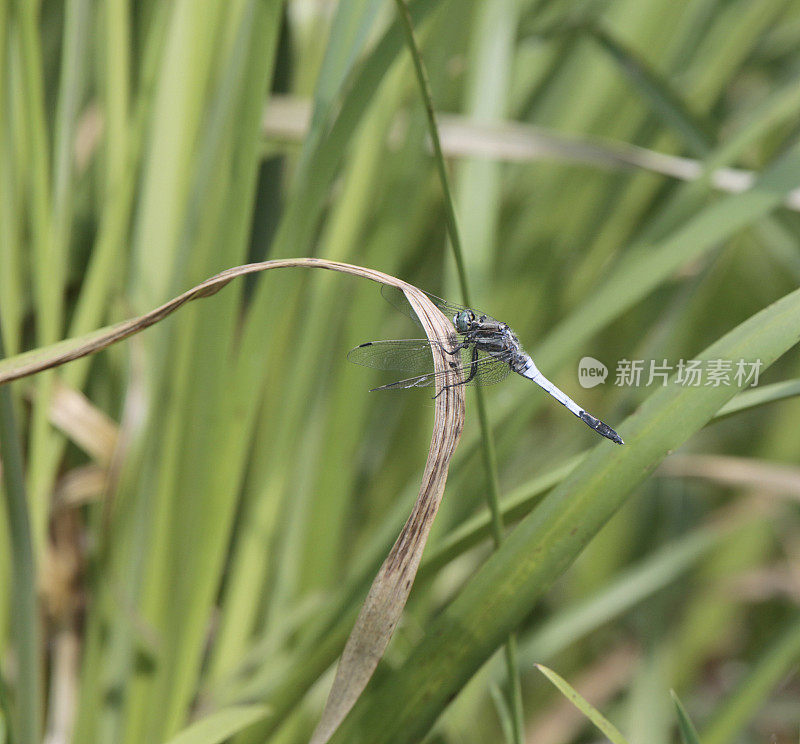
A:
[463,320]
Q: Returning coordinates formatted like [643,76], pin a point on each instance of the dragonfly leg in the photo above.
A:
[473,368]
[455,349]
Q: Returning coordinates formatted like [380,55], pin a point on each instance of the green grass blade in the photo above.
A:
[760,396]
[776,661]
[630,588]
[571,694]
[11,244]
[76,28]
[24,609]
[221,725]
[685,726]
[349,31]
[514,506]
[657,91]
[504,714]
[48,277]
[48,256]
[180,582]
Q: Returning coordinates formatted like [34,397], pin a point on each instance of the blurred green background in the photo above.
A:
[208,502]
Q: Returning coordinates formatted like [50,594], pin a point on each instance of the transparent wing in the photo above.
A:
[489,370]
[480,369]
[409,355]
[396,297]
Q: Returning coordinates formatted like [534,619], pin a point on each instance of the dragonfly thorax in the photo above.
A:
[511,338]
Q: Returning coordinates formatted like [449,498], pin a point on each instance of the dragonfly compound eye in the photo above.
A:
[463,319]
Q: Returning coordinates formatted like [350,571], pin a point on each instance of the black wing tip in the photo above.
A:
[603,429]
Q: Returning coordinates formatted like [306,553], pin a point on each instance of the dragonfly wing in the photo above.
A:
[396,297]
[408,355]
[412,382]
[485,370]
[489,370]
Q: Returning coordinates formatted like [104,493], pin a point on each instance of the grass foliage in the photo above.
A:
[193,517]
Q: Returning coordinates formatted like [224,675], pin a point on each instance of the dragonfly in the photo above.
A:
[485,351]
